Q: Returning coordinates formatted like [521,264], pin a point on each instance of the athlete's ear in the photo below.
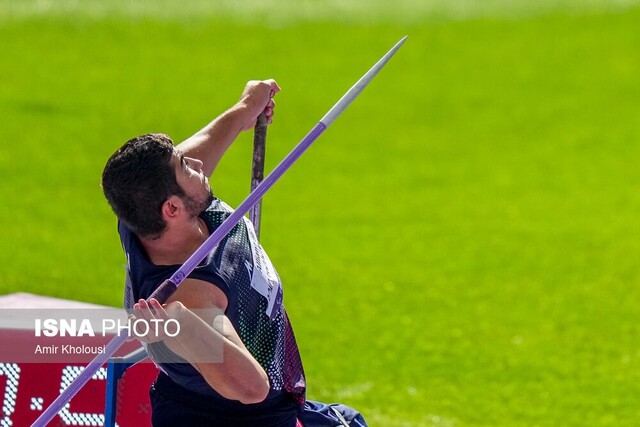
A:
[171,207]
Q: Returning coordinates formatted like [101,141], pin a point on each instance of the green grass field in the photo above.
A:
[461,248]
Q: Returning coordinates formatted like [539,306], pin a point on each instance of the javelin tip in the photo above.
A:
[357,88]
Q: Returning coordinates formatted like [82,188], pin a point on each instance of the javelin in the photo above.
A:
[164,291]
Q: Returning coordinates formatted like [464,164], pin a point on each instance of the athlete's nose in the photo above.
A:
[195,163]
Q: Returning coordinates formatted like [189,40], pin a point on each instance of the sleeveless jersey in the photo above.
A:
[242,270]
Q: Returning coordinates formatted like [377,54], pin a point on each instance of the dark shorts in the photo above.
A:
[175,406]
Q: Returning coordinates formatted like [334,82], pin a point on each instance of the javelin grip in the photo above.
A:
[259,144]
[164,291]
[257,168]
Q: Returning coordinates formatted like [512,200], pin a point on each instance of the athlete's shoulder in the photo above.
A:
[218,205]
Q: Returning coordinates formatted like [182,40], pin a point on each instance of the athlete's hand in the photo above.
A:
[150,323]
[256,98]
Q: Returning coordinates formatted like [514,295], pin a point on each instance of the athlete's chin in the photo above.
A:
[209,199]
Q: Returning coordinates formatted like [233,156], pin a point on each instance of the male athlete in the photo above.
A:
[165,207]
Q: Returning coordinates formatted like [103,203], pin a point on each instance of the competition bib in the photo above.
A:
[264,277]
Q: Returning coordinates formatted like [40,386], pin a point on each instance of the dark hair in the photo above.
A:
[138,179]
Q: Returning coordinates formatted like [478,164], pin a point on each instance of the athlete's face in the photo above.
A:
[194,183]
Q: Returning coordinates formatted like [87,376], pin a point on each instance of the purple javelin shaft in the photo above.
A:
[165,290]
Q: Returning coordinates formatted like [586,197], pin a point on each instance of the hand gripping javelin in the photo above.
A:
[169,286]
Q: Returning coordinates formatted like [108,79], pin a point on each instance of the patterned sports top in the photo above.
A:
[242,270]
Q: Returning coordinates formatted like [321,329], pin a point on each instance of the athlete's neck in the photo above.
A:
[177,243]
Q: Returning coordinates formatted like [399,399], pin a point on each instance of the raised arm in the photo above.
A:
[212,141]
